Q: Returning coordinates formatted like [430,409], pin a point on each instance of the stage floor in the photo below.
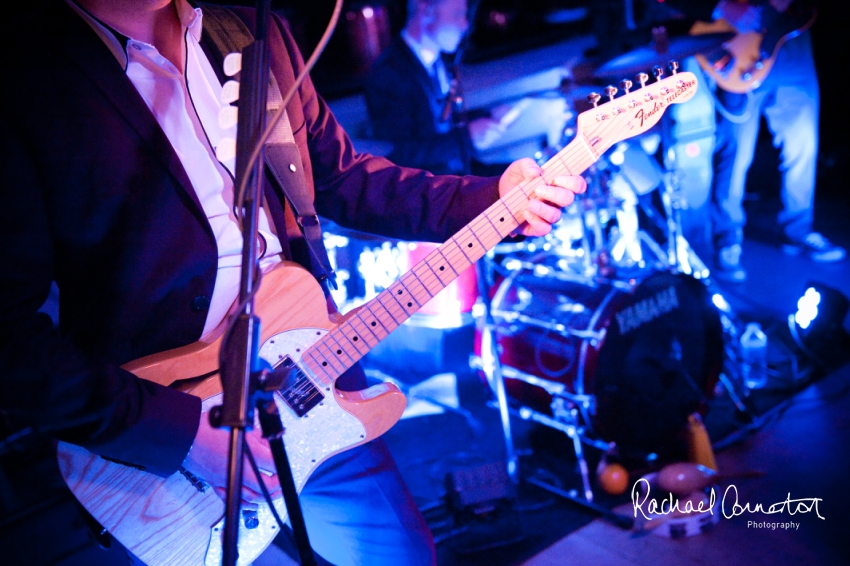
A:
[802,453]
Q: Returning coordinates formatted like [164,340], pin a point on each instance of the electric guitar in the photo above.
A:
[744,61]
[178,520]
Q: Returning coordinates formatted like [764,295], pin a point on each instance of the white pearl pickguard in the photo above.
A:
[309,440]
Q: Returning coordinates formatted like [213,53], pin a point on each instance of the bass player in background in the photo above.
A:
[788,98]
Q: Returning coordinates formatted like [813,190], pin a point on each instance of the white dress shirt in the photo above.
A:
[186,105]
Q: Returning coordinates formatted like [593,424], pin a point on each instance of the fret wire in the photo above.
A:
[327,356]
[359,315]
[483,222]
[370,339]
[567,160]
[515,219]
[426,267]
[407,280]
[462,251]
[441,251]
[340,348]
[464,247]
[381,301]
[392,288]
[496,228]
[330,357]
[369,307]
[436,254]
[427,291]
[343,328]
[312,362]
[475,232]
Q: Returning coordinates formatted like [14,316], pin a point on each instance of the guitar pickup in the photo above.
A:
[297,390]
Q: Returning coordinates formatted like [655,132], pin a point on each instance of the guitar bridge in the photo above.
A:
[297,390]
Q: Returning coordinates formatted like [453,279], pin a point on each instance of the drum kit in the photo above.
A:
[609,329]
[606,329]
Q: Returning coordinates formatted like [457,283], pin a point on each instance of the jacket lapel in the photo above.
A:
[76,40]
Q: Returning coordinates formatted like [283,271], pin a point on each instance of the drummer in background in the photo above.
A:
[407,91]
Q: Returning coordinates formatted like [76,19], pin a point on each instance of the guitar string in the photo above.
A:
[565,161]
[516,198]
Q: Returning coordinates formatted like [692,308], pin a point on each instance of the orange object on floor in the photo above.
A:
[699,444]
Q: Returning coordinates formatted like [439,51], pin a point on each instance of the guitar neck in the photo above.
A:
[352,339]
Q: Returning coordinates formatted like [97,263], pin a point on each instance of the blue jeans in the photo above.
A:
[789,99]
[359,512]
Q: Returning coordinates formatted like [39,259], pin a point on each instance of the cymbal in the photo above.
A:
[643,59]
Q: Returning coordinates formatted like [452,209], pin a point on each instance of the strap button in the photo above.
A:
[200,303]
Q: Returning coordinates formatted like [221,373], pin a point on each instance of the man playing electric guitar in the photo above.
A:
[113,188]
[788,98]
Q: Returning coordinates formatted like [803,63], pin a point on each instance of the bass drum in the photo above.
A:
[635,357]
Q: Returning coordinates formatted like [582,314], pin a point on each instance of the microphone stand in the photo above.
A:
[241,372]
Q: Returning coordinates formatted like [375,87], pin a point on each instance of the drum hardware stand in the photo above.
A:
[681,257]
[566,421]
[490,364]
[588,268]
[684,259]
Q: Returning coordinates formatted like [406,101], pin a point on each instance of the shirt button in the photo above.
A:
[200,303]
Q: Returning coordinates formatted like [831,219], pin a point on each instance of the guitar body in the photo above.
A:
[749,56]
[747,70]
[168,521]
[174,521]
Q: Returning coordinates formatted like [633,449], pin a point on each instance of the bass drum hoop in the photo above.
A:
[677,354]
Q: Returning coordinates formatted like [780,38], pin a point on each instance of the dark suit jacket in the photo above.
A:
[405,108]
[95,198]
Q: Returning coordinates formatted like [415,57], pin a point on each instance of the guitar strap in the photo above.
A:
[229,34]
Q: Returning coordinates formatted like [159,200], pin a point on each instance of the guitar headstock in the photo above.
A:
[636,110]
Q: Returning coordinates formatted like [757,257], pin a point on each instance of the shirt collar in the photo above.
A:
[427,50]
[191,18]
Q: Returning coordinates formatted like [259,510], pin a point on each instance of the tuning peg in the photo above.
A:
[593,98]
[610,91]
[673,65]
[642,78]
[658,72]
[626,85]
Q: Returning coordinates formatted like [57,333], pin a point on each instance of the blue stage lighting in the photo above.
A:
[817,326]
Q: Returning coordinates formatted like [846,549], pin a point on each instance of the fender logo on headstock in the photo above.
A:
[659,105]
[656,107]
